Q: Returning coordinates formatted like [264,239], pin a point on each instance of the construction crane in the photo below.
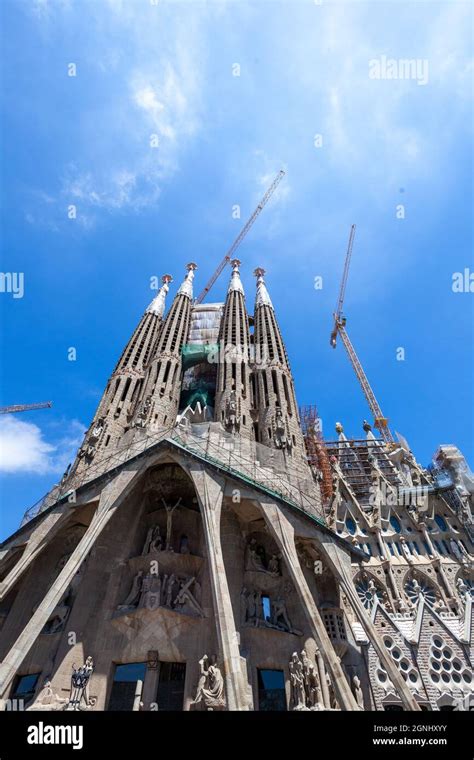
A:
[25,407]
[380,421]
[227,258]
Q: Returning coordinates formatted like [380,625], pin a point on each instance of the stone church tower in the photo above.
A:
[205,551]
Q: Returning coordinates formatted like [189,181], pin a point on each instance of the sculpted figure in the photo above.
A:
[273,565]
[279,614]
[169,590]
[80,685]
[135,592]
[47,699]
[210,690]
[358,692]
[186,598]
[297,682]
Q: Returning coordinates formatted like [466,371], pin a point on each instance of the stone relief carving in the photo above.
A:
[358,692]
[210,689]
[142,415]
[232,413]
[79,698]
[464,591]
[179,593]
[256,559]
[48,700]
[280,434]
[306,692]
[253,614]
[60,614]
[153,541]
[89,446]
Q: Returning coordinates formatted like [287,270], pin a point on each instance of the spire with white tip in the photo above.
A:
[235,281]
[186,287]
[157,306]
[262,298]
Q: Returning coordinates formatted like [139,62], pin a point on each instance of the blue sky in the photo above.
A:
[168,69]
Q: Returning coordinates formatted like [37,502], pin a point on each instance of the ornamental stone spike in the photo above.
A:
[186,288]
[157,306]
[235,281]
[262,297]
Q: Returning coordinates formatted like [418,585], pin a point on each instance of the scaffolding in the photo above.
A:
[355,459]
[317,454]
[259,466]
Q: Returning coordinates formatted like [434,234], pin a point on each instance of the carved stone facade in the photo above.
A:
[185,535]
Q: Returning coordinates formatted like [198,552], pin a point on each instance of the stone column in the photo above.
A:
[111,497]
[210,491]
[322,679]
[340,564]
[284,535]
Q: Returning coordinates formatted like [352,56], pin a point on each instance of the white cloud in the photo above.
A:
[23,447]
[148,80]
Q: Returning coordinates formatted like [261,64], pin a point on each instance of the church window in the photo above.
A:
[274,382]
[287,394]
[124,685]
[24,687]
[441,523]
[125,388]
[167,371]
[351,526]
[271,690]
[439,547]
[395,523]
[266,607]
[446,546]
[265,388]
[170,692]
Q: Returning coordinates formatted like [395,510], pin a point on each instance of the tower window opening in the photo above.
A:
[287,394]
[274,382]
[107,441]
[265,387]
[167,371]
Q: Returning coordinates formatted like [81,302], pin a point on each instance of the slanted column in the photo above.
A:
[111,497]
[283,533]
[210,491]
[340,563]
[38,541]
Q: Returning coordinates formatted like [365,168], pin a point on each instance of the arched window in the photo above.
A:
[440,522]
[351,526]
[395,523]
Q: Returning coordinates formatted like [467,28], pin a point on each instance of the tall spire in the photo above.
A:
[262,299]
[116,407]
[186,287]
[235,281]
[157,306]
[233,401]
[158,402]
[278,423]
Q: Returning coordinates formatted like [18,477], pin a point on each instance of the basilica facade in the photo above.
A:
[208,550]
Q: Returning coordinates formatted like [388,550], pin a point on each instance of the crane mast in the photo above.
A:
[25,407]
[241,236]
[339,328]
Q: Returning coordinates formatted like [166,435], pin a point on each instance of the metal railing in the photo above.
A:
[259,465]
